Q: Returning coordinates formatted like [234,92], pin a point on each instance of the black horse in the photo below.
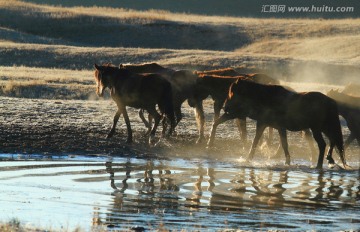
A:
[275,106]
[182,83]
[349,109]
[139,91]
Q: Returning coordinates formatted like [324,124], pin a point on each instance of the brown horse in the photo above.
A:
[275,106]
[182,83]
[349,109]
[216,84]
[138,91]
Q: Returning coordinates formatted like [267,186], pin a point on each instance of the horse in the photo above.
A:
[216,83]
[148,68]
[282,109]
[143,91]
[182,82]
[257,77]
[349,109]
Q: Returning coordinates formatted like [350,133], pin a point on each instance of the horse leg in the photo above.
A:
[178,114]
[157,118]
[321,144]
[200,120]
[116,119]
[284,144]
[217,108]
[147,123]
[222,119]
[128,126]
[178,117]
[310,141]
[141,115]
[329,157]
[241,125]
[260,127]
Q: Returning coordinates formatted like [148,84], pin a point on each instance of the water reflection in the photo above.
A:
[165,191]
[183,194]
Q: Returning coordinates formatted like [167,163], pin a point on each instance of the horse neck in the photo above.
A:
[216,83]
[119,76]
[264,94]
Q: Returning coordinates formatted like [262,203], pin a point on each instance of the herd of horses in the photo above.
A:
[161,91]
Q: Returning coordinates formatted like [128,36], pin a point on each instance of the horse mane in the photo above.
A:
[153,64]
[223,71]
[214,70]
[207,76]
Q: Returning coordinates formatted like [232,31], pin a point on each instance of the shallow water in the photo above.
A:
[64,192]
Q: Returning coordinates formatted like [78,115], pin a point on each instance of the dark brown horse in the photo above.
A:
[275,106]
[349,109]
[148,68]
[139,91]
[182,83]
[216,84]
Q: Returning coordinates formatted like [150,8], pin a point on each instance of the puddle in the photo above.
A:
[65,192]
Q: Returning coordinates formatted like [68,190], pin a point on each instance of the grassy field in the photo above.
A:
[52,49]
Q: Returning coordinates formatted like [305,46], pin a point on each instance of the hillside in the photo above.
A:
[37,36]
[238,8]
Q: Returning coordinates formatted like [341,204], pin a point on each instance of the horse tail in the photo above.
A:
[336,132]
[166,105]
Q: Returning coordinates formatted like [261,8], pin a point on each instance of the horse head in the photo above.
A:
[236,103]
[102,78]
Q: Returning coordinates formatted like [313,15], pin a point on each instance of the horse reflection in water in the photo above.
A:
[152,189]
[194,201]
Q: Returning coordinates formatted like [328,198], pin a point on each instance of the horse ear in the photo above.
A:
[96,67]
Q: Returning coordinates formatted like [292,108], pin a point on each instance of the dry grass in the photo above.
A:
[46,60]
[160,29]
[46,83]
[335,49]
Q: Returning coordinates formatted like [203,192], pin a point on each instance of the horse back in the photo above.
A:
[148,68]
[263,78]
[214,85]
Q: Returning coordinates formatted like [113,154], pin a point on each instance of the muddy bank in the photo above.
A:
[79,127]
[40,126]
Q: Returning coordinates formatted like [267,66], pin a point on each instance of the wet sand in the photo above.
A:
[51,127]
[39,126]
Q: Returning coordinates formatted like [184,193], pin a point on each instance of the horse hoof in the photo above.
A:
[209,146]
[331,165]
[152,141]
[287,162]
